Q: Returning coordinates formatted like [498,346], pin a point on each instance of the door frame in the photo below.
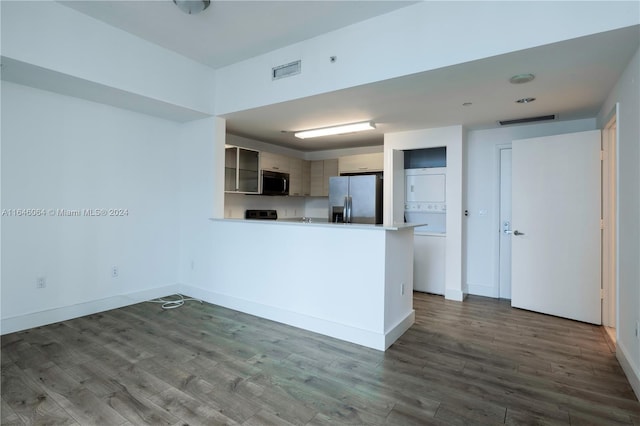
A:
[610,231]
[497,155]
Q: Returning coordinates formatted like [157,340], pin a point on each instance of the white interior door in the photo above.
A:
[505,223]
[556,225]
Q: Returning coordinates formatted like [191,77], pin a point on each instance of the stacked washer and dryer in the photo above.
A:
[425,202]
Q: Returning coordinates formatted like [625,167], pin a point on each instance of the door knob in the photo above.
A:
[516,232]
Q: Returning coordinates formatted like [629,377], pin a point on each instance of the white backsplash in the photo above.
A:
[317,207]
[287,207]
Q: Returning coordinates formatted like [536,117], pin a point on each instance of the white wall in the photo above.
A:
[452,138]
[1,203]
[89,155]
[344,282]
[409,40]
[627,94]
[201,160]
[59,39]
[482,193]
[60,152]
[398,278]
[251,268]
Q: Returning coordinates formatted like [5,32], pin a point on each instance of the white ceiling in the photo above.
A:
[232,30]
[572,80]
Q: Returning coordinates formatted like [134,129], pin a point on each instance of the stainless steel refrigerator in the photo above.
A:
[355,199]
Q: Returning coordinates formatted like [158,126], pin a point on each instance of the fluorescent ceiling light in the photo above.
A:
[336,130]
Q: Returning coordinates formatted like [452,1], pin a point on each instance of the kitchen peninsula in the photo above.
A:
[349,281]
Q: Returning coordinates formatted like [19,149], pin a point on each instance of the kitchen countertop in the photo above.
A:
[431,233]
[322,222]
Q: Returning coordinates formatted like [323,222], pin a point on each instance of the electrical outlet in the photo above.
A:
[115,272]
[41,282]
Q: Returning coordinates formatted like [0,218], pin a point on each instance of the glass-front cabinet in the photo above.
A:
[241,170]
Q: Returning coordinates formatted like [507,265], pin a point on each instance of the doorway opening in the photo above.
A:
[609,203]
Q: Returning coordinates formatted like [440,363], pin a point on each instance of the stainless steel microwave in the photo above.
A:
[275,183]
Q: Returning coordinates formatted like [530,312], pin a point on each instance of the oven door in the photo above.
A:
[275,183]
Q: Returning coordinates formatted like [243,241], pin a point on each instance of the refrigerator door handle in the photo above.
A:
[350,205]
[345,210]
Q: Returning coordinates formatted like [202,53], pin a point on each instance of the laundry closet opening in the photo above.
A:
[425,177]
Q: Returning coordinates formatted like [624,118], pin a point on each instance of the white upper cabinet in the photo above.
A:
[321,171]
[361,163]
[274,162]
[295,177]
[306,177]
[316,173]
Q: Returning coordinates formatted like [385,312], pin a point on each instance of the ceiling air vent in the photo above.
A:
[286,70]
[527,120]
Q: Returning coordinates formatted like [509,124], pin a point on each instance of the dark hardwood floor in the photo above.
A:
[477,362]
